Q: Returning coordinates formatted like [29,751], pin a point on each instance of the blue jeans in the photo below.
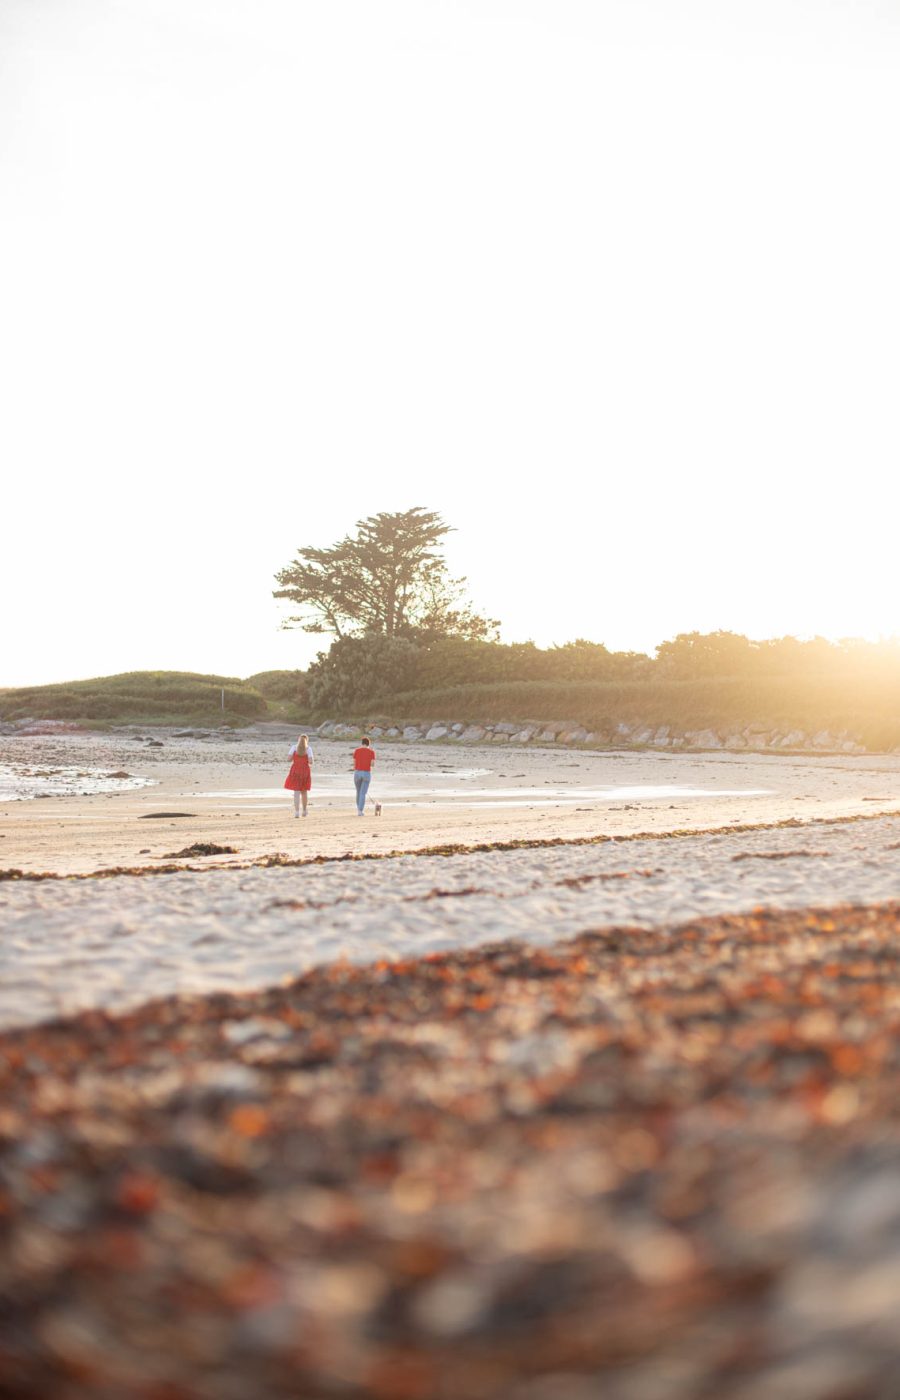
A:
[361,778]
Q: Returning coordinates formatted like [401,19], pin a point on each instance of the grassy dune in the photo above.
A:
[138,697]
[812,703]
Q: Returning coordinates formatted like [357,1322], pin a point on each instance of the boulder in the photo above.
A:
[473,734]
[523,736]
[548,736]
[642,736]
[392,733]
[437,731]
[735,741]
[457,728]
[411,732]
[505,728]
[497,738]
[704,739]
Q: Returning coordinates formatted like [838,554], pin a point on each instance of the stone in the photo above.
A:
[326,728]
[411,732]
[735,741]
[661,734]
[705,739]
[457,728]
[548,736]
[523,736]
[376,731]
[437,731]
[499,738]
[473,734]
[642,736]
[572,736]
[504,728]
[392,733]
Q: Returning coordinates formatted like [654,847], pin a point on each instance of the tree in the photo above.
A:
[692,655]
[389,579]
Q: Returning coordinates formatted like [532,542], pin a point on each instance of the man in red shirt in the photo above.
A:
[363,758]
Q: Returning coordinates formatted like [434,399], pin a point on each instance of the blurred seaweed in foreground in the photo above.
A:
[634,1165]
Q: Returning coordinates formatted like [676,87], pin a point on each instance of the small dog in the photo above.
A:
[378,809]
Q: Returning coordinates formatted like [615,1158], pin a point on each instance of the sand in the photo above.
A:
[342,1114]
[588,847]
[230,790]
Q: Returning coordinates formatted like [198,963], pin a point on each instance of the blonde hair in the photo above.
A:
[303,743]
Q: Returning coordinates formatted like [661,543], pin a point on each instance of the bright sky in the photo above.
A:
[612,284]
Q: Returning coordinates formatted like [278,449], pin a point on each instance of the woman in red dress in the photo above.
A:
[299,780]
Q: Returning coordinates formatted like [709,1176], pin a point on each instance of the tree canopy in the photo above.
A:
[388,579]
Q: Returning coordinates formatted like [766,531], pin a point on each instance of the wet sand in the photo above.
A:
[230,793]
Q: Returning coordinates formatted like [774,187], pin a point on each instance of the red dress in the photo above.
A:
[300,778]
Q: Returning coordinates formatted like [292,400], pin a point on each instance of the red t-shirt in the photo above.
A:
[363,758]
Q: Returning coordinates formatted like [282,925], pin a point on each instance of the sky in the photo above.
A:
[611,284]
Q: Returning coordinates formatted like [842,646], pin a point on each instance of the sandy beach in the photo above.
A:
[227,790]
[570,1077]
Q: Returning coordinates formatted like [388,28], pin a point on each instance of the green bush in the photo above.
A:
[356,671]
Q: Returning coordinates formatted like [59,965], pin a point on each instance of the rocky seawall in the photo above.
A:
[753,737]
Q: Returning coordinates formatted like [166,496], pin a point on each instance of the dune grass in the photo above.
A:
[812,703]
[139,697]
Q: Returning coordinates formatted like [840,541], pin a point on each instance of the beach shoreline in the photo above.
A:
[227,791]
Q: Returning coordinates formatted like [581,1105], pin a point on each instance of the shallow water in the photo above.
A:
[20,782]
[422,795]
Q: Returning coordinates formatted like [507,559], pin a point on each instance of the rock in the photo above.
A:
[499,738]
[662,734]
[524,736]
[473,734]
[795,740]
[457,728]
[437,731]
[376,731]
[548,736]
[392,733]
[704,739]
[642,736]
[735,741]
[505,728]
[411,732]
[326,728]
